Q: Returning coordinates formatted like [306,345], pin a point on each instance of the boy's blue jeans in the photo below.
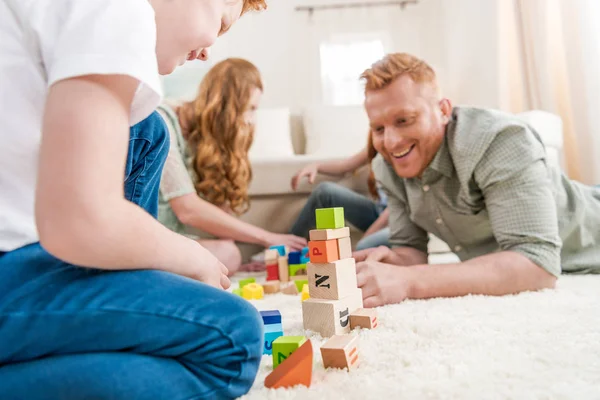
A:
[74,333]
[359,210]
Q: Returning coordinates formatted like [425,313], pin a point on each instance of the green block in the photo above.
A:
[294,268]
[284,346]
[330,218]
[300,283]
[237,291]
[244,282]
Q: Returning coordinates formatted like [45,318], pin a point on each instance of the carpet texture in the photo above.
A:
[543,345]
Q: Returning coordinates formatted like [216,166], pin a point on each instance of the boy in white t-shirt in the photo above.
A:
[98,299]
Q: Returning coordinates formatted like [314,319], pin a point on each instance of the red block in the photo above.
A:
[273,272]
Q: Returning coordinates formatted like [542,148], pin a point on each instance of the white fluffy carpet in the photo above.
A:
[543,345]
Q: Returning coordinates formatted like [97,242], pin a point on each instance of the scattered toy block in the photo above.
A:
[364,318]
[294,257]
[330,218]
[295,370]
[271,316]
[252,291]
[270,287]
[305,295]
[290,288]
[284,269]
[271,256]
[244,282]
[283,346]
[304,250]
[270,337]
[344,248]
[304,260]
[282,250]
[300,283]
[340,352]
[329,234]
[297,269]
[237,292]
[332,281]
[273,272]
[323,251]
[330,317]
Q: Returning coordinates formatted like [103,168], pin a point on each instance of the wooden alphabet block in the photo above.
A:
[330,317]
[284,269]
[297,269]
[300,283]
[329,234]
[273,272]
[270,337]
[294,257]
[284,346]
[340,352]
[305,295]
[332,281]
[244,282]
[282,250]
[330,218]
[295,370]
[270,317]
[270,287]
[364,318]
[323,251]
[289,288]
[344,248]
[252,291]
[271,256]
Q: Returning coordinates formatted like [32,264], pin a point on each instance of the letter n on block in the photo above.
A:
[332,281]
[340,352]
[330,317]
[323,251]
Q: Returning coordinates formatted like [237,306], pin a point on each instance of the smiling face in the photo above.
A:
[408,123]
[186,28]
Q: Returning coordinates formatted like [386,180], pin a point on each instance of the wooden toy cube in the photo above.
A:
[304,259]
[304,251]
[252,291]
[330,218]
[290,288]
[305,295]
[300,283]
[282,250]
[270,287]
[271,256]
[273,272]
[340,352]
[332,281]
[297,269]
[270,337]
[344,248]
[323,251]
[237,292]
[284,269]
[294,257]
[330,317]
[284,346]
[271,317]
[364,318]
[295,370]
[244,282]
[329,234]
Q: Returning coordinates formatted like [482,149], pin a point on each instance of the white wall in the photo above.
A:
[458,37]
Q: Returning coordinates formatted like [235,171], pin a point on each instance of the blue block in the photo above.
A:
[271,317]
[305,251]
[280,249]
[294,257]
[304,260]
[273,328]
[268,342]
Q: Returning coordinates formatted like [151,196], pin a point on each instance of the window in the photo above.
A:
[342,63]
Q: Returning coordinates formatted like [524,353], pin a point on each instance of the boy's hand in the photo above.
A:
[381,254]
[208,269]
[383,283]
[310,171]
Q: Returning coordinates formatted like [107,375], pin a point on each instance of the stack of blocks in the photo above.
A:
[331,276]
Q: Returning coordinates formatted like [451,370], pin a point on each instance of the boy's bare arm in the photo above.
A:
[81,213]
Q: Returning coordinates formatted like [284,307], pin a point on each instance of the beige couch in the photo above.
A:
[275,206]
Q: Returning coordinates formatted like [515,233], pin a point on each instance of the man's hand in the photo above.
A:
[310,171]
[383,283]
[381,253]
[295,243]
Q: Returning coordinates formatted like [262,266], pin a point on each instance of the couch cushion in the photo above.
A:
[272,137]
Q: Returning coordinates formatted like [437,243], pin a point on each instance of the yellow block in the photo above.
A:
[253,291]
[305,294]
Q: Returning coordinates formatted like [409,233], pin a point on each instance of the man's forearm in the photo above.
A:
[407,256]
[495,274]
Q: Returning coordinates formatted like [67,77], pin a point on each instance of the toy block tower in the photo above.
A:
[331,276]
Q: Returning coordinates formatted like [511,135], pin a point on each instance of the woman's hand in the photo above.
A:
[295,243]
[310,171]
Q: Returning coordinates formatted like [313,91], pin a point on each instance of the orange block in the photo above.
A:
[323,251]
[294,370]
